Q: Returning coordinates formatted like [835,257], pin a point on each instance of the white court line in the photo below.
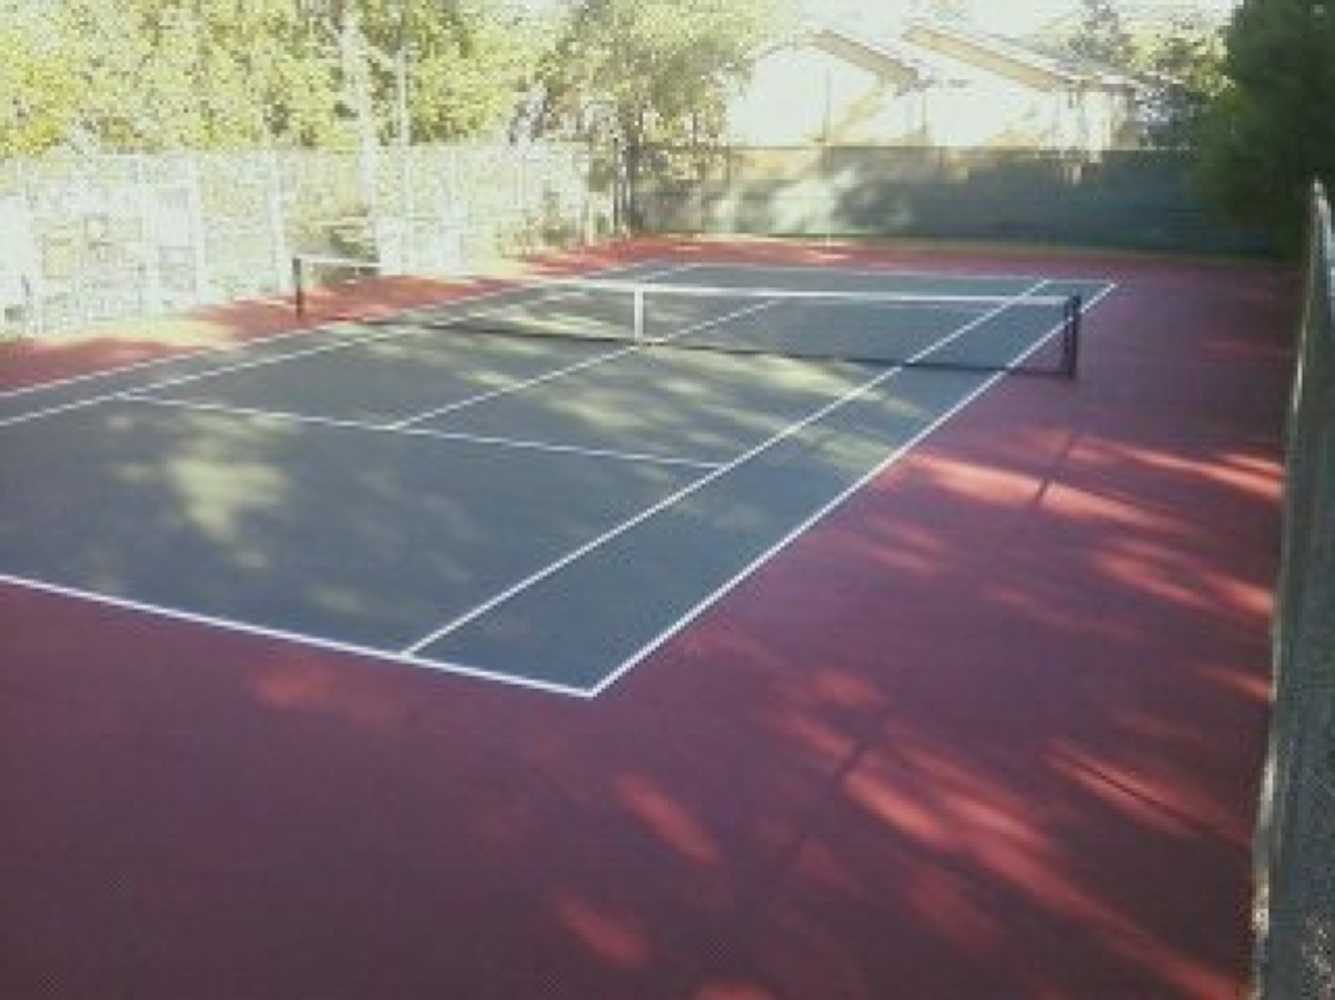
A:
[806,525]
[202,352]
[287,635]
[421,432]
[834,269]
[90,401]
[261,362]
[586,363]
[260,341]
[705,325]
[409,659]
[572,449]
[673,290]
[690,488]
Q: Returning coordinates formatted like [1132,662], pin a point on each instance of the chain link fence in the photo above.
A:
[1295,851]
[107,237]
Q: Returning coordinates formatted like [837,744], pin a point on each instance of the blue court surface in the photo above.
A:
[539,510]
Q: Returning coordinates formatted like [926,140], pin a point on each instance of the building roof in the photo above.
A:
[1066,69]
[930,52]
[912,59]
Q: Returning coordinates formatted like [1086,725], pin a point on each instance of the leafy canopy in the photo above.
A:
[1101,36]
[148,75]
[1182,72]
[1271,130]
[656,69]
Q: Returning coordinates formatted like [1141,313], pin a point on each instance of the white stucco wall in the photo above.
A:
[805,94]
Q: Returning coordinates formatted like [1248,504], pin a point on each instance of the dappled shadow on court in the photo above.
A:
[992,730]
[340,532]
[29,361]
[1069,638]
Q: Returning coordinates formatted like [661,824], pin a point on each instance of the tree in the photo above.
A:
[467,64]
[1101,37]
[1182,73]
[38,98]
[147,75]
[647,71]
[1270,131]
[659,68]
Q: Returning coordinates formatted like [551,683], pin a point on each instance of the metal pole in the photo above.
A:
[1073,349]
[299,284]
[401,79]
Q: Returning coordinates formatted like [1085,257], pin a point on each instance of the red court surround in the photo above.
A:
[991,730]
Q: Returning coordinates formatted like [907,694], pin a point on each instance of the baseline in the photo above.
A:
[303,531]
[289,636]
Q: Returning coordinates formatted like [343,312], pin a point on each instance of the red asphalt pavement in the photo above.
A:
[993,729]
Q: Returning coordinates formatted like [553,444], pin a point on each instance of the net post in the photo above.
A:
[1075,309]
[299,286]
[638,332]
[29,305]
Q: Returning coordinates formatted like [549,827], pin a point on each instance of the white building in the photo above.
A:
[929,85]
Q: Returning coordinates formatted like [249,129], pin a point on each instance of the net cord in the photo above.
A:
[624,287]
[1071,305]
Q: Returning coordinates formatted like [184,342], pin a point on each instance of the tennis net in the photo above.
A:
[1016,333]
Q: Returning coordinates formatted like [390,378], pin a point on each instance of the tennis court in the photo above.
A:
[538,485]
[767,619]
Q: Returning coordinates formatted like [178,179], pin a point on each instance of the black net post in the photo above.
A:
[1074,310]
[299,286]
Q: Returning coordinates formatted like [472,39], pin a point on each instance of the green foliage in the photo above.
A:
[38,97]
[1271,131]
[123,75]
[468,64]
[148,75]
[1182,71]
[1101,37]
[657,69]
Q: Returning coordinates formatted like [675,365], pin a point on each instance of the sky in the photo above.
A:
[1006,17]
[1012,17]
[1022,16]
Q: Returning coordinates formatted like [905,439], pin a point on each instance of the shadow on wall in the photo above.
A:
[1134,199]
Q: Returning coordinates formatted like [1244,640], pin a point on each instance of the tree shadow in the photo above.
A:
[990,730]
